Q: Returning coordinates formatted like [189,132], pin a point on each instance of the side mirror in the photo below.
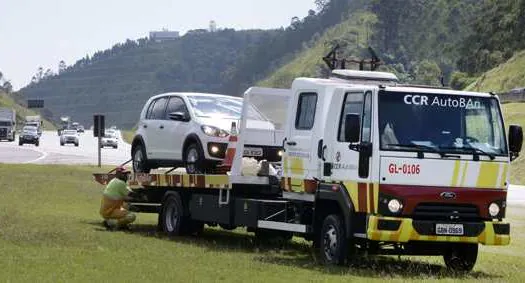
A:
[352,127]
[515,140]
[177,116]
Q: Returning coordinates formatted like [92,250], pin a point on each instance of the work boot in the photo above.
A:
[110,224]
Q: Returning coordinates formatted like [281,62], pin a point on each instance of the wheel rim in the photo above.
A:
[171,218]
[137,160]
[191,159]
[330,243]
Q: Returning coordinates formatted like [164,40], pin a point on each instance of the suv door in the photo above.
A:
[175,131]
[153,127]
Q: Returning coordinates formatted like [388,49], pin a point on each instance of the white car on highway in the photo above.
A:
[69,136]
[191,130]
[110,139]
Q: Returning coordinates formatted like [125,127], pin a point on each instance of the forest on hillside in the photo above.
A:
[422,41]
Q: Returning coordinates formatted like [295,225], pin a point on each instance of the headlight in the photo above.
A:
[494,209]
[214,131]
[394,206]
[280,153]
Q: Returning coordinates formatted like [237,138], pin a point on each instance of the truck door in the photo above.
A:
[299,164]
[351,150]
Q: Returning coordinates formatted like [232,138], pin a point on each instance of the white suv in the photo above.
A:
[191,130]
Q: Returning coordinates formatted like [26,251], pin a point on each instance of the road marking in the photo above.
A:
[44,155]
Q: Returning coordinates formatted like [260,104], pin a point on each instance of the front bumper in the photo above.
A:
[403,230]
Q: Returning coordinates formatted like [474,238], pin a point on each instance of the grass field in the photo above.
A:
[50,232]
[514,113]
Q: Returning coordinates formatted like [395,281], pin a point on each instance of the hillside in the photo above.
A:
[514,113]
[7,101]
[504,77]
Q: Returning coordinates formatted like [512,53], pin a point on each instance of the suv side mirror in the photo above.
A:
[515,140]
[177,116]
[352,127]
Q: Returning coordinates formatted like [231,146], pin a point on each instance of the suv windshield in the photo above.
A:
[439,122]
[221,107]
[70,132]
[29,130]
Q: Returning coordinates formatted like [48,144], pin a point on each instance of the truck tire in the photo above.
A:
[140,162]
[461,257]
[333,242]
[172,219]
[37,143]
[20,143]
[76,144]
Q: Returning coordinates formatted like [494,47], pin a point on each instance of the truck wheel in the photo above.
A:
[140,163]
[76,144]
[461,257]
[20,143]
[194,159]
[37,143]
[172,216]
[333,242]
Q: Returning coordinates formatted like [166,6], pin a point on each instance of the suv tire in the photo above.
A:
[140,163]
[194,159]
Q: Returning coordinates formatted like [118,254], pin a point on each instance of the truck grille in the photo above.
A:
[446,211]
[3,132]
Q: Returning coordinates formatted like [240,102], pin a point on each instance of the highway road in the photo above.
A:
[50,151]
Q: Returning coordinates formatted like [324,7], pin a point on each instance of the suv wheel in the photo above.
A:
[194,159]
[140,164]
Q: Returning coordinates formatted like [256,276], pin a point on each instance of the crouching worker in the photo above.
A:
[113,207]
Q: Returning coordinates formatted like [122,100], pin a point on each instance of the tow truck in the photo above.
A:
[369,165]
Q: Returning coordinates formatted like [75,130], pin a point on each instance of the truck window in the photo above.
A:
[304,120]
[367,118]
[353,104]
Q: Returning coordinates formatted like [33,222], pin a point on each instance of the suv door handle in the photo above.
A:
[161,126]
[291,143]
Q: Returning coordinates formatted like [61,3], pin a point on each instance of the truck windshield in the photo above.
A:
[440,122]
[5,124]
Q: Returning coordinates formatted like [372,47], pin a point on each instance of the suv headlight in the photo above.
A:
[214,131]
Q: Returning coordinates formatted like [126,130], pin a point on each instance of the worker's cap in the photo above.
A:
[122,169]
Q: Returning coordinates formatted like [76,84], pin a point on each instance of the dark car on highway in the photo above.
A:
[29,135]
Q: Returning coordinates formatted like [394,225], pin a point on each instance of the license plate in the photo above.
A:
[449,229]
[253,151]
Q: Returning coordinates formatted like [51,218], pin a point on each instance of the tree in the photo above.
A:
[61,66]
[7,87]
[428,72]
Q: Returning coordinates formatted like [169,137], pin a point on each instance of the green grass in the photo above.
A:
[503,78]
[514,113]
[128,136]
[21,112]
[50,232]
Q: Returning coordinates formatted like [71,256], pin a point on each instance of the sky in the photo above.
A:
[37,33]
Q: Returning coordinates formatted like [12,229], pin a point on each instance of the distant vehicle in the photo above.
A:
[29,134]
[65,123]
[74,126]
[80,129]
[69,136]
[7,124]
[197,126]
[35,121]
[109,139]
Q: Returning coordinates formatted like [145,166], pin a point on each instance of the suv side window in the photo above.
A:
[176,104]
[306,111]
[150,110]
[158,110]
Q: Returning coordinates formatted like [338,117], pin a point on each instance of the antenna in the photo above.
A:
[333,62]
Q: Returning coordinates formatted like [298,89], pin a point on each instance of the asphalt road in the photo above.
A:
[50,151]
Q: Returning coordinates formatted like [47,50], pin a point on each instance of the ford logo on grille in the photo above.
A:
[448,195]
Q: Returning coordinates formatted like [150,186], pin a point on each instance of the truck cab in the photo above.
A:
[415,166]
